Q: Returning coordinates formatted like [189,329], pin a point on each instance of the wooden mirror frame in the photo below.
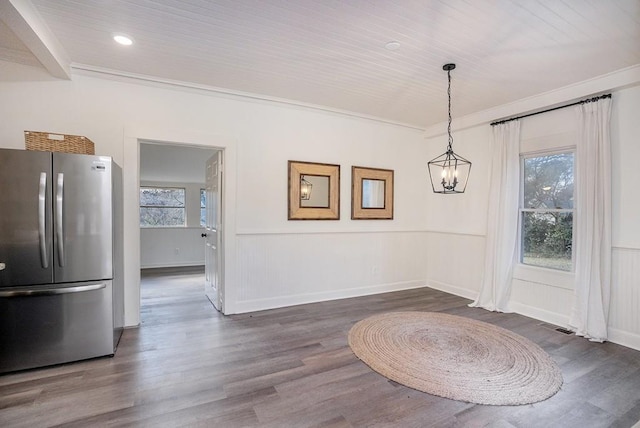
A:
[298,212]
[358,212]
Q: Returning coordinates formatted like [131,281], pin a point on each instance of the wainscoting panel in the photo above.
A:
[276,270]
[541,301]
[455,263]
[281,269]
[624,312]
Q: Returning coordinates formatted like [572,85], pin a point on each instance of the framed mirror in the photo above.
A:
[371,193]
[314,191]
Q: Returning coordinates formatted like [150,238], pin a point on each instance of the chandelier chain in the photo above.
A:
[449,147]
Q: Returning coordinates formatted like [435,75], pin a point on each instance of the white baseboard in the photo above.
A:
[539,314]
[624,338]
[301,299]
[171,264]
[528,311]
[620,337]
[453,289]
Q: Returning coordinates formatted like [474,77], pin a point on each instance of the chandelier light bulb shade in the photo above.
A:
[305,189]
[449,172]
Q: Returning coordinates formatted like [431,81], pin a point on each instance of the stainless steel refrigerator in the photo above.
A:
[61,278]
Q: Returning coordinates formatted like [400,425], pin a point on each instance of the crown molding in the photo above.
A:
[105,73]
[624,78]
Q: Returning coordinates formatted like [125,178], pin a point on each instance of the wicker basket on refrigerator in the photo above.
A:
[50,142]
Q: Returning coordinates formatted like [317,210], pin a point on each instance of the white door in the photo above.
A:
[213,232]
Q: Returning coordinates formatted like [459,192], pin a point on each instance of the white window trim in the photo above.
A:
[538,274]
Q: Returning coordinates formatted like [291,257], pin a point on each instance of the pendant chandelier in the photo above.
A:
[305,189]
[449,172]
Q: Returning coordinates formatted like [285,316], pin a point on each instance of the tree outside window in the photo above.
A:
[162,207]
[203,206]
[546,220]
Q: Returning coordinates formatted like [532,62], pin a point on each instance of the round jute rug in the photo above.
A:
[455,357]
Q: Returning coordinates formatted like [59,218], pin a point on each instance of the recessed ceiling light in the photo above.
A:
[123,39]
[392,46]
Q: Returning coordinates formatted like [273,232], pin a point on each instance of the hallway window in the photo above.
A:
[546,211]
[203,206]
[162,207]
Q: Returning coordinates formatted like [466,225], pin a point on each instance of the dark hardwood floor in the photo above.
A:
[187,365]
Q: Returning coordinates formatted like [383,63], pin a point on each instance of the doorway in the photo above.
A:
[172,187]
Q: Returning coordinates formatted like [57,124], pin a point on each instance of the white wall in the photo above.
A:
[166,162]
[458,228]
[624,316]
[171,247]
[269,261]
[457,223]
[174,246]
[272,262]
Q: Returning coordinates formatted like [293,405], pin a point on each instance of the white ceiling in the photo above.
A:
[332,53]
[12,49]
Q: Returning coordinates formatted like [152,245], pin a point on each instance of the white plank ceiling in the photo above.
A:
[332,53]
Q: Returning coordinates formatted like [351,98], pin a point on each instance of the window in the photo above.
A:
[546,211]
[203,205]
[162,207]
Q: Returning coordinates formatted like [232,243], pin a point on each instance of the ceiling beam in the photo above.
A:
[23,19]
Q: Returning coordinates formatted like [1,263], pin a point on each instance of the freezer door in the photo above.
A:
[82,214]
[54,324]
[25,218]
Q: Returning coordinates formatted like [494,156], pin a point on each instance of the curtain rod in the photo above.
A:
[588,100]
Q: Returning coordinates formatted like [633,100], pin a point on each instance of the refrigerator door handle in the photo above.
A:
[44,259]
[59,229]
[31,291]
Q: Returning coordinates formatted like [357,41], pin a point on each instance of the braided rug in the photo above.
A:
[455,357]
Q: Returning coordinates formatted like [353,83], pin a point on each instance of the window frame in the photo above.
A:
[183,207]
[521,210]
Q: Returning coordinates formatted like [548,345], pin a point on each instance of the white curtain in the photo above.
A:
[502,221]
[590,311]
